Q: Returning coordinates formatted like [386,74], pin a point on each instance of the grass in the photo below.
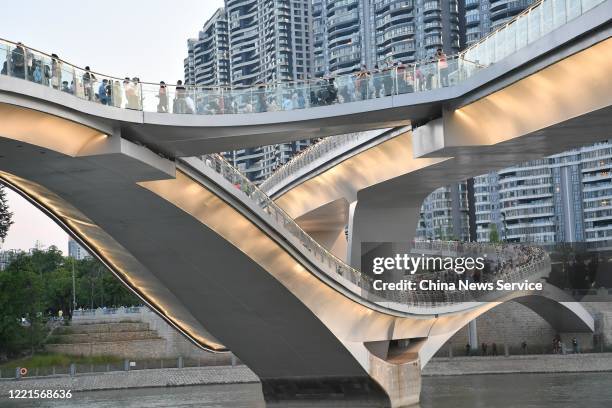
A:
[43,360]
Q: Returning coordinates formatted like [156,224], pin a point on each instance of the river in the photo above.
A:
[588,390]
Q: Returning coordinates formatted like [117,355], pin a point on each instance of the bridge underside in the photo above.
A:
[219,277]
[224,277]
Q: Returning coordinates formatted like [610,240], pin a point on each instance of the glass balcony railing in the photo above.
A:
[26,63]
[29,64]
[527,262]
[527,27]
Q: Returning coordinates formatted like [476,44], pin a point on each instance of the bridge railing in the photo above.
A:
[530,25]
[437,71]
[327,147]
[516,265]
[20,61]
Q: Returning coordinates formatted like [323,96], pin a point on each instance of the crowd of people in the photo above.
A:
[383,80]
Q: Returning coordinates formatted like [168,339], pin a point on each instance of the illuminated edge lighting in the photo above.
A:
[309,267]
[33,198]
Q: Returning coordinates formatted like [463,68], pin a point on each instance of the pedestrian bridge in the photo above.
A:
[231,118]
[228,268]
[225,265]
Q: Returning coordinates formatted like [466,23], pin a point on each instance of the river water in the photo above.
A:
[588,390]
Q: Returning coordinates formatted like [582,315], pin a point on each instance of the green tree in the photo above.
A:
[493,234]
[22,307]
[38,284]
[6,216]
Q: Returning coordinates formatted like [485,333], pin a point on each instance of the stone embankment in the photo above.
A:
[547,363]
[168,377]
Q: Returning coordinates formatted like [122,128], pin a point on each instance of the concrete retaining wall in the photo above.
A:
[133,349]
[512,323]
[175,344]
[169,377]
[519,364]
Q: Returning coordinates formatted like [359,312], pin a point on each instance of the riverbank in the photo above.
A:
[117,380]
[177,377]
[539,363]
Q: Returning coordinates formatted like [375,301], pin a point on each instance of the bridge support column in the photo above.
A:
[395,365]
[374,222]
[352,391]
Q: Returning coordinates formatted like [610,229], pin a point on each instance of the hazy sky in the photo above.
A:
[144,38]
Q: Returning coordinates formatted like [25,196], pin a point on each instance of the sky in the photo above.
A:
[143,38]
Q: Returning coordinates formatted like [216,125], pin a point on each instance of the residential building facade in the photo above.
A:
[483,16]
[349,34]
[566,197]
[253,42]
[76,251]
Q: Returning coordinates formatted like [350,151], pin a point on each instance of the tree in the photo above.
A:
[6,216]
[37,285]
[22,307]
[493,234]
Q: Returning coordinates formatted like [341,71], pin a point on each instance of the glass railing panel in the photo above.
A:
[573,9]
[510,40]
[559,12]
[4,59]
[534,24]
[522,36]
[546,12]
[500,46]
[589,4]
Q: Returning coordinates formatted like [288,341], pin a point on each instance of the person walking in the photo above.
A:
[18,58]
[179,98]
[162,95]
[442,67]
[117,94]
[88,83]
[56,71]
[102,92]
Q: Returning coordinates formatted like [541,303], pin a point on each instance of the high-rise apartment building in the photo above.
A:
[207,61]
[445,214]
[269,40]
[254,42]
[76,251]
[566,197]
[350,33]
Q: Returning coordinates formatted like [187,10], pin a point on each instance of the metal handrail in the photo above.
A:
[354,279]
[332,144]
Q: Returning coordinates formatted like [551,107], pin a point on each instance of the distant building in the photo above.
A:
[208,59]
[350,33]
[445,214]
[253,42]
[565,197]
[6,257]
[76,251]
